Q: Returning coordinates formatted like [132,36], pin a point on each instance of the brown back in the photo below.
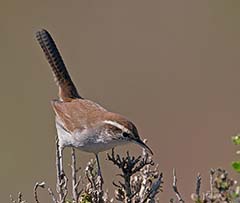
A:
[78,114]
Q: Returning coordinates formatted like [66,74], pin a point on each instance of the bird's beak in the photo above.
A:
[142,144]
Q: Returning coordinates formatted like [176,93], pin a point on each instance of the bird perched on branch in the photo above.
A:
[81,123]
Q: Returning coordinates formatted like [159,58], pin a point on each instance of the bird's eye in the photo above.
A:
[125,134]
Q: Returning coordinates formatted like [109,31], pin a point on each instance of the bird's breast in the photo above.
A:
[88,140]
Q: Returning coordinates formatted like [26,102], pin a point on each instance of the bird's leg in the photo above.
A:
[99,169]
[61,171]
[59,162]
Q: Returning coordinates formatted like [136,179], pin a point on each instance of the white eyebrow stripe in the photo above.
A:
[116,124]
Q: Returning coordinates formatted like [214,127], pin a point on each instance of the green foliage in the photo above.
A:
[222,189]
[86,198]
[236,166]
[236,139]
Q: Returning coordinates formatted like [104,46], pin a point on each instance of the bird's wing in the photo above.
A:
[77,114]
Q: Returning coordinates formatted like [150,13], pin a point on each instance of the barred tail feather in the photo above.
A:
[67,90]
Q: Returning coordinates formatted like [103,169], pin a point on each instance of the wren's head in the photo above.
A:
[123,129]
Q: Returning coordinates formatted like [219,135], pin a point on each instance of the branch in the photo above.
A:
[175,189]
[52,195]
[212,171]
[141,182]
[75,181]
[37,185]
[198,185]
[61,178]
[19,199]
[94,187]
[154,189]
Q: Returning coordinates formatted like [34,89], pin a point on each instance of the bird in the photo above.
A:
[82,123]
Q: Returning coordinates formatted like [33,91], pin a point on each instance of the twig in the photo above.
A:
[75,181]
[58,168]
[64,186]
[136,187]
[175,189]
[212,171]
[154,189]
[94,188]
[127,166]
[61,177]
[42,185]
[52,195]
[12,199]
[20,197]
[198,186]
[90,174]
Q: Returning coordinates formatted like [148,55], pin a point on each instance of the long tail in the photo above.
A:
[67,90]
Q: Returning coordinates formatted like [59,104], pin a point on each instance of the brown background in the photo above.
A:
[173,67]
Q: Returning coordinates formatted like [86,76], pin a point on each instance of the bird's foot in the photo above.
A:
[62,175]
[100,178]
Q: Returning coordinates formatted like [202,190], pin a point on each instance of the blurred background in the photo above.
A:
[173,67]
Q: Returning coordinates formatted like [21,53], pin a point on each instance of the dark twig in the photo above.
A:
[141,182]
[127,166]
[37,185]
[20,197]
[175,189]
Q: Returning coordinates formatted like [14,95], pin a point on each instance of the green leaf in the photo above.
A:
[236,166]
[236,139]
[85,198]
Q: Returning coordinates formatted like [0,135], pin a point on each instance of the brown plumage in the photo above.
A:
[80,114]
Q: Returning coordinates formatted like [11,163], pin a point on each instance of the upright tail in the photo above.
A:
[67,90]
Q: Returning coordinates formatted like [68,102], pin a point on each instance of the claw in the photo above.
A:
[62,175]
